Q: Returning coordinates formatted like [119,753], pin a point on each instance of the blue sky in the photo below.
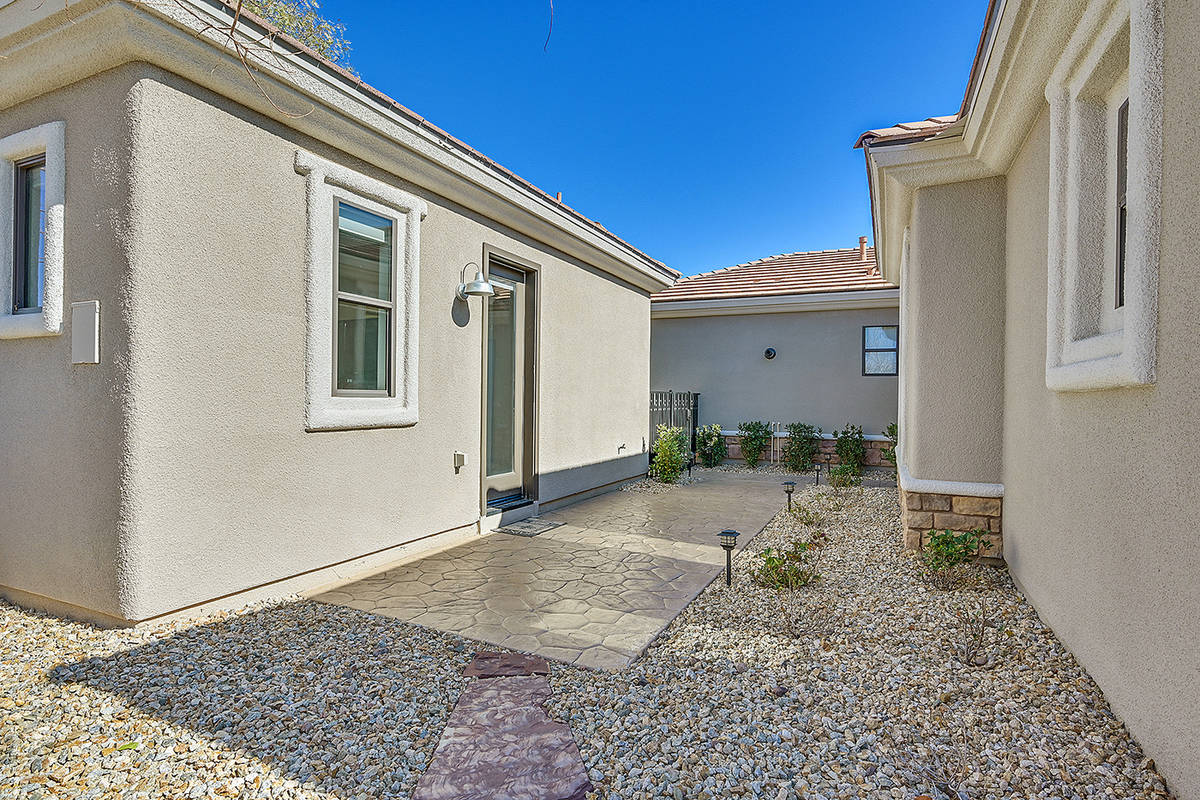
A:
[704,133]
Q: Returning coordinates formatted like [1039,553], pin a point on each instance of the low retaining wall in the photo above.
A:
[826,453]
[924,511]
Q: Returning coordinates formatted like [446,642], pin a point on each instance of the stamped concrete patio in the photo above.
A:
[593,591]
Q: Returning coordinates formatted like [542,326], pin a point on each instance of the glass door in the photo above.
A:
[504,390]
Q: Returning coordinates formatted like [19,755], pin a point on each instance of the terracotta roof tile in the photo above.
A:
[792,273]
[909,131]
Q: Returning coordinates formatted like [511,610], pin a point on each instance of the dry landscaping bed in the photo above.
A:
[852,687]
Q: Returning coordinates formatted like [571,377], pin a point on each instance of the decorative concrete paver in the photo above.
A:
[593,591]
[499,741]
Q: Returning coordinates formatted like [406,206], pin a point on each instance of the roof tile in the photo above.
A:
[791,273]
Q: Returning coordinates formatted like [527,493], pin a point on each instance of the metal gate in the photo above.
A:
[675,410]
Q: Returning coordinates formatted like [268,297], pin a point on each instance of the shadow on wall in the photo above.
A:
[318,693]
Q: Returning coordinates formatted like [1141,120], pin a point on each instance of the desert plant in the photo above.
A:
[710,445]
[801,446]
[814,619]
[805,515]
[786,570]
[670,454]
[977,636]
[946,552]
[753,438]
[851,450]
[843,476]
[892,432]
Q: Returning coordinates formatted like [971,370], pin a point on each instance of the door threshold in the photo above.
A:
[503,506]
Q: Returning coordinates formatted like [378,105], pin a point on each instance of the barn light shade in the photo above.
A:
[479,287]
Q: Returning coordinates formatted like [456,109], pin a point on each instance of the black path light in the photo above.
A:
[817,469]
[729,541]
[789,487]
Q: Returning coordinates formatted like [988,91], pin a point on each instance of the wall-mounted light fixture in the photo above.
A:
[479,287]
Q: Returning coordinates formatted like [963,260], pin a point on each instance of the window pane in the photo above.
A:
[501,382]
[362,347]
[881,363]
[881,337]
[32,226]
[364,253]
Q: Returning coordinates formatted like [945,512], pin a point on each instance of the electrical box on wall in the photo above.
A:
[460,460]
[85,332]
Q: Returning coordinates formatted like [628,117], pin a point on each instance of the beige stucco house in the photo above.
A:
[803,337]
[234,355]
[1044,239]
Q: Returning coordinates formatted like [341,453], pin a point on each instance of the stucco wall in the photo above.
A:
[178,471]
[816,376]
[1101,488]
[232,491]
[61,449]
[953,289]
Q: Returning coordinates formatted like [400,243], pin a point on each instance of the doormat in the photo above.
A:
[530,527]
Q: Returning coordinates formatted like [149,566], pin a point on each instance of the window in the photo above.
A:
[32,212]
[365,247]
[1106,112]
[881,350]
[1122,181]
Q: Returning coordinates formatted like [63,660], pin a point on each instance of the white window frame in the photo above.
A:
[1090,346]
[327,185]
[48,140]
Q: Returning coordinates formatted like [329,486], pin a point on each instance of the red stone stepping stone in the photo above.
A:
[488,664]
[500,743]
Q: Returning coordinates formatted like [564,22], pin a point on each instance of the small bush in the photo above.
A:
[850,448]
[892,432]
[670,454]
[805,515]
[978,637]
[947,551]
[843,476]
[786,570]
[801,447]
[755,437]
[710,445]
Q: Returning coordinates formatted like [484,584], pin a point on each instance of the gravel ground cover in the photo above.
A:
[855,686]
[297,700]
[851,688]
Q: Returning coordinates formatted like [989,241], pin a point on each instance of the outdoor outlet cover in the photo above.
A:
[460,460]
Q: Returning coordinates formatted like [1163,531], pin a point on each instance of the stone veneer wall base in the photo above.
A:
[925,511]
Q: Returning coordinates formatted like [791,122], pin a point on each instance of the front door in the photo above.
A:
[505,389]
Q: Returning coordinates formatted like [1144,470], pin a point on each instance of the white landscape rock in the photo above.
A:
[305,700]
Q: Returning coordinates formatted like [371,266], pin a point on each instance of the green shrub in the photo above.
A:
[946,554]
[892,432]
[850,448]
[801,446]
[946,549]
[710,445]
[843,476]
[786,570]
[670,454]
[755,437]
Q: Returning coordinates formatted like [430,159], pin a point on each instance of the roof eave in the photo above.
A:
[173,37]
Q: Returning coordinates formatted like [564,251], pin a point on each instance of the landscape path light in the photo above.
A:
[789,487]
[729,541]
